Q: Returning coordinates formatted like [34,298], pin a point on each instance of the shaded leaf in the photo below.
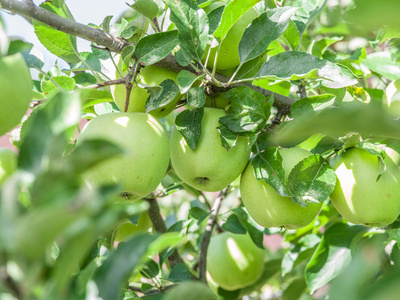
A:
[196,97]
[179,273]
[307,11]
[311,104]
[162,97]
[188,123]
[155,47]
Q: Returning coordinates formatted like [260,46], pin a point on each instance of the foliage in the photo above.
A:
[315,74]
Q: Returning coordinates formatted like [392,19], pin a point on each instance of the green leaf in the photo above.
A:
[311,104]
[307,12]
[379,151]
[179,273]
[57,42]
[332,255]
[147,8]
[233,225]
[89,62]
[55,118]
[232,12]
[192,24]
[294,65]
[155,47]
[295,290]
[229,138]
[190,291]
[186,79]
[214,18]
[150,269]
[255,231]
[262,31]
[198,213]
[267,166]
[50,89]
[183,58]
[383,63]
[249,110]
[188,123]
[162,97]
[91,97]
[311,180]
[34,57]
[110,277]
[196,97]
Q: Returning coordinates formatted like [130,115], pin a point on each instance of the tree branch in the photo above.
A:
[207,235]
[28,10]
[160,227]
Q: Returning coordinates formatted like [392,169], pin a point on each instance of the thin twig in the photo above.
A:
[207,234]
[10,283]
[105,83]
[160,227]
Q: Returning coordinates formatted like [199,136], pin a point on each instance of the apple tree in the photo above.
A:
[202,149]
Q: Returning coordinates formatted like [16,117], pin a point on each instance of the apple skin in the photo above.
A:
[143,165]
[152,76]
[125,230]
[234,261]
[266,206]
[15,91]
[228,56]
[210,167]
[8,163]
[357,196]
[217,101]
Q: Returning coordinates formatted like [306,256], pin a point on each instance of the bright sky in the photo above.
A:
[84,11]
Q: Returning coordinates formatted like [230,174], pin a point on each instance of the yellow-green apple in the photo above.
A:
[266,206]
[145,160]
[234,261]
[15,91]
[151,76]
[210,167]
[8,163]
[358,196]
[125,230]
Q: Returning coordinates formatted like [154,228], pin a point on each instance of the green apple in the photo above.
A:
[228,55]
[217,101]
[127,228]
[266,206]
[15,91]
[8,163]
[210,167]
[141,167]
[149,75]
[234,261]
[358,196]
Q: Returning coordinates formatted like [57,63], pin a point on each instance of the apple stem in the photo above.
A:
[207,234]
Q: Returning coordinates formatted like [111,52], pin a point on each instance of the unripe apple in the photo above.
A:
[358,196]
[210,167]
[149,75]
[266,206]
[217,101]
[228,56]
[145,160]
[234,261]
[15,91]
[8,163]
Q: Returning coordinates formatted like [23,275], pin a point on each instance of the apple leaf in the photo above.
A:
[311,104]
[147,8]
[229,138]
[383,63]
[307,12]
[57,42]
[89,61]
[254,230]
[262,31]
[192,24]
[186,79]
[91,97]
[196,97]
[292,65]
[188,123]
[332,255]
[267,166]
[49,87]
[155,47]
[150,269]
[232,12]
[250,68]
[233,225]
[311,180]
[327,144]
[116,269]
[248,112]
[179,273]
[182,57]
[163,96]
[214,19]
[379,151]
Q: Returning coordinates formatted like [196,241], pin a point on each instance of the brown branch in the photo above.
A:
[28,9]
[116,44]
[207,234]
[160,227]
[105,83]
